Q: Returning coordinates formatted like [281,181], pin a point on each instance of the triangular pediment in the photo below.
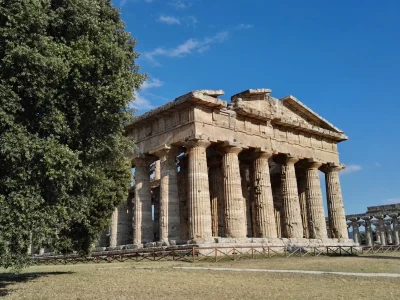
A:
[287,111]
[297,110]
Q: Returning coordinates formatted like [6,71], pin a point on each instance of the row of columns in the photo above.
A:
[387,231]
[210,199]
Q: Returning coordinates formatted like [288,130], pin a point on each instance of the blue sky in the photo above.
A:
[340,58]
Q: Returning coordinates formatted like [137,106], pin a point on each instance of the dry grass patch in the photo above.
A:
[158,280]
[381,263]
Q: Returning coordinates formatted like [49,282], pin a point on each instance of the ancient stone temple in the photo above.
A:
[212,172]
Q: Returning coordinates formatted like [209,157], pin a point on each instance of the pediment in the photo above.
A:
[287,111]
[297,110]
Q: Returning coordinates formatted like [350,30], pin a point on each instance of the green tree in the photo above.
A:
[67,75]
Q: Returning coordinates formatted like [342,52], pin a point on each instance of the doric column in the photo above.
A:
[199,193]
[183,197]
[336,214]
[142,223]
[277,196]
[246,186]
[264,202]
[216,196]
[368,231]
[382,229]
[278,221]
[235,225]
[301,186]
[157,170]
[169,197]
[315,205]
[293,227]
[156,201]
[114,228]
[377,232]
[396,229]
[356,231]
[388,227]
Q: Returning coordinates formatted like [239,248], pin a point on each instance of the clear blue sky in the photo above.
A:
[340,58]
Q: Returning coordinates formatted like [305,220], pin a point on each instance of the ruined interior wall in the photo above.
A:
[125,229]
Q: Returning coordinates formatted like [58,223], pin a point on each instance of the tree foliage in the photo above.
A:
[67,74]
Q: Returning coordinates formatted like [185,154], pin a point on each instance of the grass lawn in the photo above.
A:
[158,280]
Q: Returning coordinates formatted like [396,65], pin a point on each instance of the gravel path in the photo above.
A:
[393,275]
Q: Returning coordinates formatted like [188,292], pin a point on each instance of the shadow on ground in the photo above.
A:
[7,280]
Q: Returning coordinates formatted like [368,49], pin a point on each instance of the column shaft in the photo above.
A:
[336,214]
[380,227]
[377,234]
[199,193]
[395,229]
[169,197]
[114,228]
[389,233]
[157,170]
[291,206]
[216,196]
[183,197]
[356,232]
[264,202]
[244,173]
[368,231]
[301,186]
[156,195]
[235,225]
[278,222]
[143,223]
[315,205]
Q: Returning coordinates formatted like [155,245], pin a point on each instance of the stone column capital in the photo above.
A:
[285,159]
[332,167]
[142,161]
[197,143]
[313,164]
[165,150]
[230,149]
[260,154]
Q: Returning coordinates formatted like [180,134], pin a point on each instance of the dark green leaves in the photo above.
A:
[67,74]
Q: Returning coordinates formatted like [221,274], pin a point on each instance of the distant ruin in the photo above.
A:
[384,220]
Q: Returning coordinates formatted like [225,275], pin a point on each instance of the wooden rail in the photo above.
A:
[213,254]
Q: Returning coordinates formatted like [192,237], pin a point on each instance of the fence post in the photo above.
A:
[215,253]
[285,251]
[252,252]
[193,254]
